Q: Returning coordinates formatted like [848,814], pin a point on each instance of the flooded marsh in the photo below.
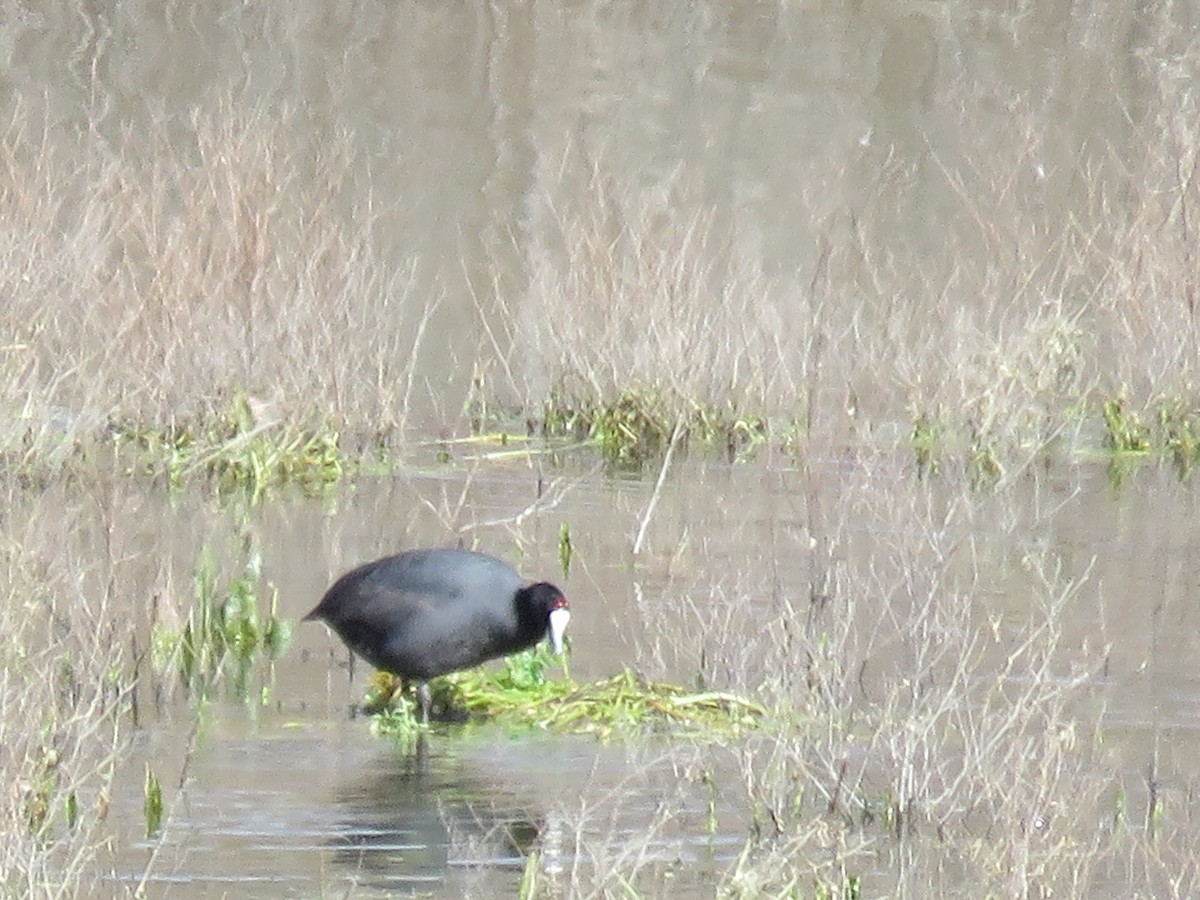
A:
[839,364]
[979,664]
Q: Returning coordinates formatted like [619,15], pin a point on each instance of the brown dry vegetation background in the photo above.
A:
[146,282]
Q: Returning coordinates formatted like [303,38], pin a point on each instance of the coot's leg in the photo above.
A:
[425,697]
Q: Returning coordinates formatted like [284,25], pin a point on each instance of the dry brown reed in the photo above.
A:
[64,700]
[147,284]
[935,707]
[913,713]
[626,292]
[1019,300]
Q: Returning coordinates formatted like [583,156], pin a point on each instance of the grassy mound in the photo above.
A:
[519,695]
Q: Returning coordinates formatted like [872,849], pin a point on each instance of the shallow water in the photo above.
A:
[294,791]
[293,794]
[287,804]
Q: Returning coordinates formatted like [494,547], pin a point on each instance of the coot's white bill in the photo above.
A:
[558,625]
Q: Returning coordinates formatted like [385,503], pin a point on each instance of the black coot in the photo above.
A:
[423,613]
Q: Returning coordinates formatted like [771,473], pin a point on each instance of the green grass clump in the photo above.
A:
[738,432]
[1125,432]
[518,694]
[225,633]
[983,465]
[637,426]
[152,803]
[398,722]
[1180,429]
[926,441]
[240,454]
[633,428]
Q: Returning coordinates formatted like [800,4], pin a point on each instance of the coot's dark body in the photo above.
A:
[423,613]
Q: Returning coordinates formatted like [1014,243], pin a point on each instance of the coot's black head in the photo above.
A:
[544,608]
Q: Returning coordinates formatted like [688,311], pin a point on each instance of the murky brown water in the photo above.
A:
[460,118]
[291,794]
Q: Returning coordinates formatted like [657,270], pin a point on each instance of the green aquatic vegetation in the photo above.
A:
[519,694]
[311,460]
[384,691]
[40,795]
[564,417]
[638,425]
[1180,428]
[225,633]
[739,433]
[152,803]
[849,887]
[926,442]
[399,722]
[239,453]
[631,429]
[245,455]
[1125,432]
[565,548]
[983,463]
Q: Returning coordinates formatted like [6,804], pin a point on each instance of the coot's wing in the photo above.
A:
[445,634]
[370,620]
[447,576]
